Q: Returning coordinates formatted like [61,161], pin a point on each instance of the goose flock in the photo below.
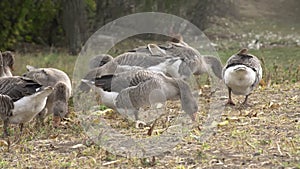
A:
[127,82]
[39,92]
[137,78]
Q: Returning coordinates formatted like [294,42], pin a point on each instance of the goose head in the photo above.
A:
[60,109]
[188,102]
[8,59]
[60,105]
[99,60]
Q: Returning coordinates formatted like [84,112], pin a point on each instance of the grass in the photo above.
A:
[266,135]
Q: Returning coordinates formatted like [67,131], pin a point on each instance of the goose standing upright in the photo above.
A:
[128,92]
[242,74]
[7,61]
[21,99]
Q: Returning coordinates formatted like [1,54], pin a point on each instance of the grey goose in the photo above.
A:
[99,60]
[241,74]
[135,60]
[49,77]
[7,61]
[21,99]
[197,63]
[130,91]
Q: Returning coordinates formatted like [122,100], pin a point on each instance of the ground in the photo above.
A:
[263,135]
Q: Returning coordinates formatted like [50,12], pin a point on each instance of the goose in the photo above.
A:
[128,92]
[60,103]
[48,77]
[21,99]
[174,67]
[197,63]
[6,63]
[99,60]
[151,49]
[241,74]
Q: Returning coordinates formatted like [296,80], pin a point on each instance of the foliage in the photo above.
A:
[69,23]
[29,21]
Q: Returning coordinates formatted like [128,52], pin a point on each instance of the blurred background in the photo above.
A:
[50,29]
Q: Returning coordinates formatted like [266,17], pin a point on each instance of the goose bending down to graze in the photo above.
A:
[196,62]
[171,66]
[60,102]
[49,77]
[241,74]
[6,64]
[202,63]
[21,99]
[99,60]
[129,91]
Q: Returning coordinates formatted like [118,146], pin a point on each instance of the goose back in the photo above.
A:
[18,87]
[243,58]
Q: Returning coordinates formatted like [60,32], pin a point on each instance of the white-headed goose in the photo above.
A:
[128,92]
[21,100]
[241,74]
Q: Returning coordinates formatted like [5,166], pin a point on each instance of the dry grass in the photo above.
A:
[264,135]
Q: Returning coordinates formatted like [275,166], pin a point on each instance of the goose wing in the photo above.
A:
[138,59]
[180,51]
[139,95]
[18,87]
[119,81]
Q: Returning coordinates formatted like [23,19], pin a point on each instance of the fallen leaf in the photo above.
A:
[223,123]
[3,143]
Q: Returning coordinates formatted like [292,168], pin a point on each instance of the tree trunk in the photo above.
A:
[75,24]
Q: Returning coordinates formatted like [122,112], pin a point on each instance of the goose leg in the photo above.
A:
[6,134]
[150,131]
[21,126]
[245,103]
[5,128]
[229,102]
[40,118]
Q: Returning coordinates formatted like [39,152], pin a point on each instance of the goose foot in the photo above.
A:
[230,103]
[140,124]
[245,103]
